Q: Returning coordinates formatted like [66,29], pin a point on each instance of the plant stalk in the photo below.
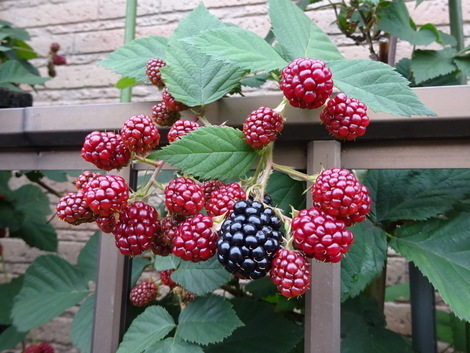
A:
[129,34]
[456,29]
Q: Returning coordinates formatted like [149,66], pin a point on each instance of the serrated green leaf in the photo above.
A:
[169,262]
[286,192]
[463,63]
[298,35]
[427,64]
[255,80]
[210,152]
[364,260]
[239,47]
[175,345]
[146,329]
[207,319]
[11,337]
[8,291]
[263,331]
[50,286]
[87,261]
[395,19]
[378,86]
[201,277]
[131,58]
[13,71]
[82,325]
[441,250]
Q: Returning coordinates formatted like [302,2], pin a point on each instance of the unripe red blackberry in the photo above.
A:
[344,117]
[210,186]
[165,277]
[144,293]
[195,240]
[361,214]
[169,227]
[320,235]
[55,47]
[106,150]
[181,128]
[170,102]
[58,60]
[153,72]
[159,246]
[32,348]
[262,127]
[84,178]
[184,196]
[106,194]
[290,272]
[136,229]
[140,134]
[306,83]
[162,116]
[45,348]
[74,209]
[222,200]
[106,223]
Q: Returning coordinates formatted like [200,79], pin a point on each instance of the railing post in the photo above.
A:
[322,302]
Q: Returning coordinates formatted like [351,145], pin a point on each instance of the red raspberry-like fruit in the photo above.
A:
[55,47]
[320,235]
[338,192]
[140,134]
[165,277]
[138,224]
[106,150]
[210,186]
[106,223]
[290,272]
[170,102]
[306,83]
[144,293]
[159,246]
[84,178]
[262,127]
[59,60]
[195,241]
[169,228]
[153,72]
[344,117]
[74,209]
[184,196]
[32,348]
[107,194]
[181,128]
[361,214]
[45,348]
[162,116]
[222,200]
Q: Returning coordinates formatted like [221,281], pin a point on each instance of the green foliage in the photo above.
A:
[397,291]
[11,337]
[88,257]
[82,325]
[8,291]
[169,262]
[175,345]
[286,192]
[451,330]
[428,64]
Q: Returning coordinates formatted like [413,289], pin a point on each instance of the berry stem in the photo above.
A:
[282,106]
[295,174]
[268,166]
[146,188]
[156,164]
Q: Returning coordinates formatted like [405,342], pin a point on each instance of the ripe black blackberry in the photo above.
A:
[249,239]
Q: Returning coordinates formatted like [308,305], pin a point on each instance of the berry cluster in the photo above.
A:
[39,348]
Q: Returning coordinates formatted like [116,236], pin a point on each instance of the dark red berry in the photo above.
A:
[162,116]
[106,150]
[222,200]
[153,72]
[106,223]
[170,102]
[169,227]
[262,127]
[58,59]
[45,348]
[74,209]
[84,178]
[55,47]
[107,194]
[361,214]
[290,272]
[320,235]
[345,118]
[144,293]
[181,128]
[184,196]
[306,83]
[165,277]
[209,186]
[140,134]
[32,348]
[159,246]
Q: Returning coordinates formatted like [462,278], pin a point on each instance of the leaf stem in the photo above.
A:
[156,164]
[294,173]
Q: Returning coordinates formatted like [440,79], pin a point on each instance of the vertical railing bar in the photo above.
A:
[322,302]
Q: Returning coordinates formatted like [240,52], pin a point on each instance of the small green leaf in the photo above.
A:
[56,175]
[201,277]
[262,288]
[82,325]
[50,286]
[169,262]
[8,291]
[298,35]
[427,64]
[138,266]
[13,71]
[87,260]
[397,291]
[378,86]
[207,319]
[210,152]
[131,58]
[146,329]
[16,33]
[286,192]
[11,337]
[175,345]
[463,63]
[126,82]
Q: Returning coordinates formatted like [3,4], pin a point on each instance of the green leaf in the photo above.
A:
[451,330]
[207,319]
[24,51]
[286,192]
[87,260]
[201,277]
[13,71]
[261,288]
[210,152]
[298,35]
[51,285]
[395,19]
[11,337]
[169,262]
[440,248]
[8,291]
[56,175]
[138,266]
[255,81]
[463,63]
[175,345]
[131,59]
[427,64]
[16,33]
[415,194]
[378,86]
[126,82]
[364,260]
[146,329]
[82,325]
[264,330]
[397,291]
[239,47]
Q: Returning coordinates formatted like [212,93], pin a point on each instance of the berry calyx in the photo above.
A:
[184,196]
[106,150]
[140,134]
[171,103]
[195,240]
[74,209]
[290,272]
[162,116]
[222,200]
[144,293]
[320,235]
[153,72]
[262,127]
[165,277]
[106,194]
[306,83]
[181,128]
[344,117]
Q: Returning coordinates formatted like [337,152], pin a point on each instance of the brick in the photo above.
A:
[101,41]
[80,76]
[397,271]
[398,317]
